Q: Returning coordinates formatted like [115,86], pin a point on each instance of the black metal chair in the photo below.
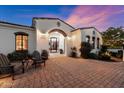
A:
[44,54]
[37,58]
[8,68]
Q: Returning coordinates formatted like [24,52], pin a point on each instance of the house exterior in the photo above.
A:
[51,34]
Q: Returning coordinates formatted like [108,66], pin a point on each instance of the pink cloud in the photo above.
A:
[37,15]
[97,16]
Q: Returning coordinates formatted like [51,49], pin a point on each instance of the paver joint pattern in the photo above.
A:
[66,72]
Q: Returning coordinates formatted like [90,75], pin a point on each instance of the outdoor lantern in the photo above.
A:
[43,35]
[68,37]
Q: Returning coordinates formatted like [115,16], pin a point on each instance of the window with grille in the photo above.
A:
[21,41]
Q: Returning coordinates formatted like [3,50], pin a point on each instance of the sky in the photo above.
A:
[100,16]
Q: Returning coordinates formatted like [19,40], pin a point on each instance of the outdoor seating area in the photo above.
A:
[8,68]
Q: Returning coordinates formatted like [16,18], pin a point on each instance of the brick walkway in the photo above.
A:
[69,72]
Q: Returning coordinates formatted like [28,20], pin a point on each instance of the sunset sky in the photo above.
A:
[101,17]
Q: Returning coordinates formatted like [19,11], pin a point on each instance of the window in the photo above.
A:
[93,40]
[58,24]
[21,41]
[93,32]
[97,43]
[88,39]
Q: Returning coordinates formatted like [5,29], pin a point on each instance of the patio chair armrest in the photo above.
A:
[43,56]
[9,66]
[34,58]
[23,61]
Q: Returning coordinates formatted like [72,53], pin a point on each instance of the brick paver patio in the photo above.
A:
[68,73]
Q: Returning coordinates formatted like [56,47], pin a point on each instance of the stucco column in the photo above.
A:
[42,41]
[68,45]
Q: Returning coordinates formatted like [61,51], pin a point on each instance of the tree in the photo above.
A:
[113,37]
[85,49]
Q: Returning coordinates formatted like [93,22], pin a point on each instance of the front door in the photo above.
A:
[54,44]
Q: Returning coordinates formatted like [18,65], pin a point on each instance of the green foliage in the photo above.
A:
[118,54]
[113,37]
[92,56]
[103,49]
[74,52]
[104,54]
[18,55]
[85,49]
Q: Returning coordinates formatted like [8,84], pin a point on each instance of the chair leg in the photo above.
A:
[35,65]
[44,63]
[12,74]
[13,77]
[23,67]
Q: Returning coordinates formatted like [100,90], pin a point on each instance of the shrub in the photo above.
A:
[103,49]
[92,56]
[44,54]
[73,52]
[119,54]
[113,54]
[61,51]
[85,49]
[18,55]
[104,57]
[104,54]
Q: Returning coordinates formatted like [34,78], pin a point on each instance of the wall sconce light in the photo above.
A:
[73,37]
[44,35]
[68,37]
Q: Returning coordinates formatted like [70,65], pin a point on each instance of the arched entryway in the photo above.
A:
[57,42]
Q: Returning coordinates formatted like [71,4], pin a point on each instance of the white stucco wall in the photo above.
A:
[39,39]
[76,40]
[7,39]
[89,32]
[43,26]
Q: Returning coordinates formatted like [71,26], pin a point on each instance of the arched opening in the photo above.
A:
[57,41]
[59,31]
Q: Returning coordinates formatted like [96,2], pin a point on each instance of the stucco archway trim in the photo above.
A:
[58,30]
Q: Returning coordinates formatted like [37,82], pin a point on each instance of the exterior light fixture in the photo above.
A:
[73,37]
[43,35]
[68,37]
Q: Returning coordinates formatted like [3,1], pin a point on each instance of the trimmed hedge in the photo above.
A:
[92,56]
[18,55]
[104,54]
[85,49]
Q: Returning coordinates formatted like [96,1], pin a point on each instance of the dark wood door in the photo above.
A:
[54,44]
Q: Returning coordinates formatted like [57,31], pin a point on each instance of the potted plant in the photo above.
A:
[61,51]
[73,52]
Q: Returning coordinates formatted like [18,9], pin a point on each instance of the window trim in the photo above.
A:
[93,40]
[88,37]
[21,34]
[98,43]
